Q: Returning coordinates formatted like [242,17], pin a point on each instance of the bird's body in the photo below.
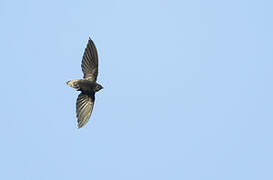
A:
[84,85]
[88,85]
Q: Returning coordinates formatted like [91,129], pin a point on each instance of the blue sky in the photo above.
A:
[187,90]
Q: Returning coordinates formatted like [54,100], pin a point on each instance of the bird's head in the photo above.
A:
[98,87]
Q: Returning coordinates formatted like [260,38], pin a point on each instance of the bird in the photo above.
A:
[88,85]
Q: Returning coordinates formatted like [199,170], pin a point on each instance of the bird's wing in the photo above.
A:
[84,107]
[90,62]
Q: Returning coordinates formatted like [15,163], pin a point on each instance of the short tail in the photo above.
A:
[73,84]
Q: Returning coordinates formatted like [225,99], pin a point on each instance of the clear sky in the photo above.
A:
[187,90]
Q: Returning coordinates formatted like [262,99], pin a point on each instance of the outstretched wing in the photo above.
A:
[90,62]
[84,107]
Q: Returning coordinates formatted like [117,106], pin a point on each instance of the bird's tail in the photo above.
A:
[73,83]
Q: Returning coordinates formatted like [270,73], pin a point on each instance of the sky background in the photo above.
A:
[187,90]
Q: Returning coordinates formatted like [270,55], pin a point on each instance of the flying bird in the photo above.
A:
[88,85]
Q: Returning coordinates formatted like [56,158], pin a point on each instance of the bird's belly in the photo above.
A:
[86,85]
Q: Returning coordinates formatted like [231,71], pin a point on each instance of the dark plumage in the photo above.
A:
[88,85]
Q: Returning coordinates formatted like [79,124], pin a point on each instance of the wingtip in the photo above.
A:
[80,126]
